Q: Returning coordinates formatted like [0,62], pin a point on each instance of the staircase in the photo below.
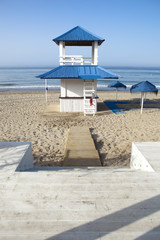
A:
[92,203]
[89,92]
[79,203]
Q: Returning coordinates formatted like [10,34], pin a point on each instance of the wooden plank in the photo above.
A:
[80,149]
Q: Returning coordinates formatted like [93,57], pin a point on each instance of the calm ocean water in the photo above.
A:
[23,79]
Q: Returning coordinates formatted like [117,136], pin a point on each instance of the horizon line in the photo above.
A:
[108,66]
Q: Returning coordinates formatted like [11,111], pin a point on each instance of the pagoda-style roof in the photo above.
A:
[78,72]
[78,36]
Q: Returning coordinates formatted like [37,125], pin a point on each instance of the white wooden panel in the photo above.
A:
[74,87]
[71,105]
[62,88]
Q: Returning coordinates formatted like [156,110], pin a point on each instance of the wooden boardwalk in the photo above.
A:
[80,149]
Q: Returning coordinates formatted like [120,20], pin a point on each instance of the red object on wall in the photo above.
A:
[91,101]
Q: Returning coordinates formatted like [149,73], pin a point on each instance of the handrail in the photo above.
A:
[74,59]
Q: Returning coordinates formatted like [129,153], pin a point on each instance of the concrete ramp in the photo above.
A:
[80,149]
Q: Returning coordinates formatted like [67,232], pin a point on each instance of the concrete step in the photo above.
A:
[102,206]
[84,182]
[74,215]
[153,234]
[58,227]
[80,176]
[79,203]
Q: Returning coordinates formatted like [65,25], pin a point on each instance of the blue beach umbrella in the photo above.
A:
[143,87]
[117,85]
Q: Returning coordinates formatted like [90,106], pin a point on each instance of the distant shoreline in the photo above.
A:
[108,67]
[55,90]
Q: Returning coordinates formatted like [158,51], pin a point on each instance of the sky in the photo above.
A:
[131,29]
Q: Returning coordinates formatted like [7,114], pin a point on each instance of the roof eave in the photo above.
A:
[79,42]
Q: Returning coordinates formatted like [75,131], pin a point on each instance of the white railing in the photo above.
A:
[75,60]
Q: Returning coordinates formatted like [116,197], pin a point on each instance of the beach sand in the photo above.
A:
[25,116]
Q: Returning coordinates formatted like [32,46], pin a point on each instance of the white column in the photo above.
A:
[61,52]
[142,101]
[63,49]
[92,53]
[46,89]
[95,53]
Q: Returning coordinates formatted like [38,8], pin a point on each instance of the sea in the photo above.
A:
[24,79]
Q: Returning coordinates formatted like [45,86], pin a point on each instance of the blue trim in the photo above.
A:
[89,76]
[78,72]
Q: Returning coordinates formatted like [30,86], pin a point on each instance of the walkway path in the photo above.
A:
[80,149]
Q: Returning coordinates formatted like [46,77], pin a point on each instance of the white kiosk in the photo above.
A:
[78,74]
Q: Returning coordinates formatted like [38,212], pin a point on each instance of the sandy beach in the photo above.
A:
[25,116]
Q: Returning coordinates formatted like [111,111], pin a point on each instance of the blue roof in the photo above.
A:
[78,71]
[117,84]
[78,36]
[144,87]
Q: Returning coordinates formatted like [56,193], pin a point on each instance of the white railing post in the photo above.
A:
[75,59]
[82,61]
[72,60]
[61,52]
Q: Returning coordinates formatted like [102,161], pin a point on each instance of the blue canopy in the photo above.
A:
[78,72]
[117,84]
[144,86]
[78,36]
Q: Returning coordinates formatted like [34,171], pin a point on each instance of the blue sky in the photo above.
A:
[131,29]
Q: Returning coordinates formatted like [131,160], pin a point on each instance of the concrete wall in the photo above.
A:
[138,159]
[16,155]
